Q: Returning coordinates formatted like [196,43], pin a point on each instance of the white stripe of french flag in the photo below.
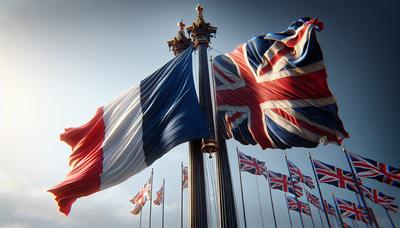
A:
[133,131]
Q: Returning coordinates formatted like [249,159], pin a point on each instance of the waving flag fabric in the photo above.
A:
[329,208]
[334,176]
[388,202]
[185,177]
[142,197]
[369,168]
[351,210]
[314,200]
[273,91]
[299,176]
[297,205]
[133,131]
[251,165]
[282,182]
[160,196]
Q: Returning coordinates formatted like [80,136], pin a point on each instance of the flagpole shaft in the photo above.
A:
[259,203]
[270,196]
[390,218]
[359,189]
[320,217]
[151,196]
[294,190]
[181,194]
[290,217]
[241,189]
[312,219]
[320,193]
[337,210]
[163,200]
[140,219]
[226,196]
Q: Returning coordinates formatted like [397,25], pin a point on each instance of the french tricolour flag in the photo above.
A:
[133,131]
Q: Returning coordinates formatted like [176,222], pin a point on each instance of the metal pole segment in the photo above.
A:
[337,210]
[294,190]
[320,217]
[226,197]
[320,193]
[270,195]
[181,194]
[312,220]
[241,189]
[151,196]
[390,218]
[259,202]
[162,221]
[359,188]
[287,206]
[140,219]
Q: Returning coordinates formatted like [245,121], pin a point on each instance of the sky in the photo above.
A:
[60,60]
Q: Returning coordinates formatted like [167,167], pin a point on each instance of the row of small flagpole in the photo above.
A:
[339,220]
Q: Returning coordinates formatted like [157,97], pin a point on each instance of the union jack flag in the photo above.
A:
[294,205]
[185,177]
[313,199]
[160,196]
[273,91]
[334,176]
[369,168]
[142,197]
[299,176]
[378,197]
[351,210]
[251,165]
[282,182]
[329,208]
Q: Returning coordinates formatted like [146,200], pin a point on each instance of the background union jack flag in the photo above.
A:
[376,170]
[251,165]
[334,176]
[378,197]
[351,210]
[329,208]
[294,205]
[299,176]
[314,200]
[273,91]
[282,182]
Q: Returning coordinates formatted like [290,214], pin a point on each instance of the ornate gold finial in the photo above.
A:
[201,31]
[180,42]
[199,10]
[181,25]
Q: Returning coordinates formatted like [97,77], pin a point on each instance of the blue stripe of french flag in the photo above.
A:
[129,134]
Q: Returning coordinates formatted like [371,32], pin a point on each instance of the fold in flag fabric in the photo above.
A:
[133,131]
[273,91]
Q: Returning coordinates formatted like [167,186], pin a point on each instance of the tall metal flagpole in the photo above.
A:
[288,211]
[270,196]
[320,193]
[294,190]
[151,196]
[259,202]
[359,189]
[241,189]
[312,219]
[163,198]
[390,218]
[320,217]
[140,219]
[179,44]
[337,210]
[181,194]
[201,33]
